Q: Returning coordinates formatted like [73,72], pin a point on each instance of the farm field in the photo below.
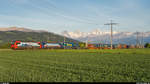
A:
[127,65]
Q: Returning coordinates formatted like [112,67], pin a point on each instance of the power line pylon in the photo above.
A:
[142,39]
[111,37]
[137,39]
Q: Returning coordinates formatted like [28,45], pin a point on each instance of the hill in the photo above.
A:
[7,35]
[20,29]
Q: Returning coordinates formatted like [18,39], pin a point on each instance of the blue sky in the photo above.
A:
[84,15]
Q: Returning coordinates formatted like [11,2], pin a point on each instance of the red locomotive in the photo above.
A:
[25,45]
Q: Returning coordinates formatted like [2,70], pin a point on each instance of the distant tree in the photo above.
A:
[147,45]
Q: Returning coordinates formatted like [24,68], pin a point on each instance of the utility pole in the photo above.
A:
[86,43]
[111,36]
[142,41]
[102,40]
[119,38]
[64,41]
[137,42]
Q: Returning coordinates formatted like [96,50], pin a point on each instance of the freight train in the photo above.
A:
[19,45]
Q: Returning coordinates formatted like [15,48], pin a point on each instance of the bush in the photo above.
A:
[147,45]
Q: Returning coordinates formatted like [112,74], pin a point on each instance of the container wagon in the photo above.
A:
[46,45]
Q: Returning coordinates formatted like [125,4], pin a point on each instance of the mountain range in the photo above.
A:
[95,36]
[98,36]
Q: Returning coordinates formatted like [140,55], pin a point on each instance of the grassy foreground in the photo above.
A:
[131,65]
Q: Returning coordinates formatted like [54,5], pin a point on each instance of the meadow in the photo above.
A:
[126,65]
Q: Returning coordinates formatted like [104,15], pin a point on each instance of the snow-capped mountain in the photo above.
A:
[98,36]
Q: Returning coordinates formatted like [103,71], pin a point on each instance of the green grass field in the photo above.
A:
[131,65]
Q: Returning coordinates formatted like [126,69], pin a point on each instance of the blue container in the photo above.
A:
[43,43]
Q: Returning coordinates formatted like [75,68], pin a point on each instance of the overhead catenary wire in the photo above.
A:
[45,11]
[62,12]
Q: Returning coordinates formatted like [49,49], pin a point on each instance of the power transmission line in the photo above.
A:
[111,37]
[54,6]
[65,16]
